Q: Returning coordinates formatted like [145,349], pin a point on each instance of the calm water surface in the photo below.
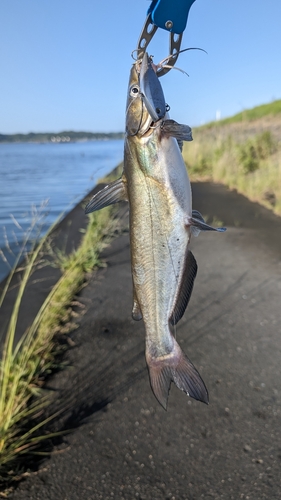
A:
[48,179]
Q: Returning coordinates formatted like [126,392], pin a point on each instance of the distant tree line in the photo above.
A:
[67,136]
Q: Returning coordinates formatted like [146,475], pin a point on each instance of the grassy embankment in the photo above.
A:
[24,367]
[243,152]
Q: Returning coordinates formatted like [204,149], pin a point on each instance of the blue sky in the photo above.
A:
[64,64]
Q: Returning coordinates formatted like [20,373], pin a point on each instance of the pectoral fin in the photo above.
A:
[171,128]
[198,224]
[185,289]
[112,193]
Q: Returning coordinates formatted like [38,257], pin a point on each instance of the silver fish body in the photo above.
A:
[156,184]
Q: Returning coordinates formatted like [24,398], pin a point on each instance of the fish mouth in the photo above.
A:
[152,127]
[145,100]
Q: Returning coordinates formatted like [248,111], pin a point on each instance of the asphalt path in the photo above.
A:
[122,443]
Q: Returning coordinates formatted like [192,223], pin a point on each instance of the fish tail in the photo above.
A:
[175,367]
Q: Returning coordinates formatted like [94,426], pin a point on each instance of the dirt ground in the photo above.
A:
[123,444]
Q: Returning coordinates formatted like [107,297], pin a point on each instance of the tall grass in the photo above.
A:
[250,162]
[23,367]
[17,370]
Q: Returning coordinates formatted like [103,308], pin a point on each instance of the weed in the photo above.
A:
[24,367]
[18,371]
[243,157]
[203,166]
[252,151]
[248,156]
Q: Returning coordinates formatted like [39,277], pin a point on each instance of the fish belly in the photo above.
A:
[160,200]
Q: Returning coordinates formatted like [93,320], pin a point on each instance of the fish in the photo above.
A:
[156,185]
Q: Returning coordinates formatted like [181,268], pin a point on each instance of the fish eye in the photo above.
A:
[134,91]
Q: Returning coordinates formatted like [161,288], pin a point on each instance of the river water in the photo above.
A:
[40,181]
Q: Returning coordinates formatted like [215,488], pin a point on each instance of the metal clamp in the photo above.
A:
[145,38]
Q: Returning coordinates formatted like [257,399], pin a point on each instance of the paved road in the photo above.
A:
[123,444]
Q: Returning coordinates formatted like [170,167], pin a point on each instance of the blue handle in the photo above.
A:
[170,15]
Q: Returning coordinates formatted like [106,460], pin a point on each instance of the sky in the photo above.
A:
[64,64]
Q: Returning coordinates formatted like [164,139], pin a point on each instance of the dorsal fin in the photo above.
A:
[185,288]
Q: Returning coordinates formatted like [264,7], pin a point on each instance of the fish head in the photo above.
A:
[145,100]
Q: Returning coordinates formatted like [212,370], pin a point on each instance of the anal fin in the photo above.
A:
[185,288]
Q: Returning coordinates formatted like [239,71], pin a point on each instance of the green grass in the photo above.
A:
[25,366]
[272,108]
[17,375]
[243,156]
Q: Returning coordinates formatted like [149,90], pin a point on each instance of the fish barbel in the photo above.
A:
[156,184]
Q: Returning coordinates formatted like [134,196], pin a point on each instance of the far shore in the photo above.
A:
[60,137]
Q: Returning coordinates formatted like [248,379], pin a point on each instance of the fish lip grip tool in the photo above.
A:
[170,15]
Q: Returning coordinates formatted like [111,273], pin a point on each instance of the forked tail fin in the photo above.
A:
[175,367]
